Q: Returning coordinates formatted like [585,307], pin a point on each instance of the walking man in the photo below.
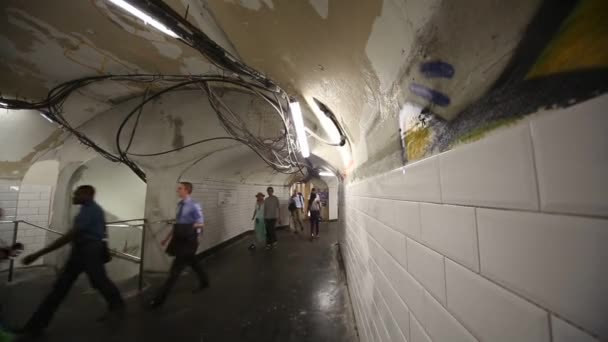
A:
[89,254]
[184,243]
[296,207]
[271,218]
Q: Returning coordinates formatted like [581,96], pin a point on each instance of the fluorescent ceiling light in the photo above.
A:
[326,174]
[46,117]
[143,16]
[298,121]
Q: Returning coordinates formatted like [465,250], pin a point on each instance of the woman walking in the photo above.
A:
[258,218]
[315,217]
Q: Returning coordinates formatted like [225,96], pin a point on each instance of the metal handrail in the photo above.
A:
[138,260]
[126,256]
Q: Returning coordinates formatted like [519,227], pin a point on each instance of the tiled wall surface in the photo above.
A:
[227,220]
[9,194]
[29,203]
[504,239]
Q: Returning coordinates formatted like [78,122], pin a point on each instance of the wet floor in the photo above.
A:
[296,292]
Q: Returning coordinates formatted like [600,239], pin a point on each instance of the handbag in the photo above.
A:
[183,231]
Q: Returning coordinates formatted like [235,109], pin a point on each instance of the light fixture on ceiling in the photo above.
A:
[46,117]
[326,174]
[298,121]
[143,16]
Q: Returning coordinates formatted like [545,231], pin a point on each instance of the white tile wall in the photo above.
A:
[555,260]
[386,317]
[490,312]
[441,326]
[496,172]
[225,221]
[517,222]
[451,230]
[396,305]
[418,334]
[564,332]
[418,181]
[428,267]
[407,218]
[404,284]
[390,240]
[23,203]
[571,149]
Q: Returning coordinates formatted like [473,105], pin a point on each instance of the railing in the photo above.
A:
[121,255]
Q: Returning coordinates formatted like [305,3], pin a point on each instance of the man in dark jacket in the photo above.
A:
[89,254]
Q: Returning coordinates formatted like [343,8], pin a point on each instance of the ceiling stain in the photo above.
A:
[291,40]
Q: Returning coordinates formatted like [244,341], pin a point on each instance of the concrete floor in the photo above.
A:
[296,292]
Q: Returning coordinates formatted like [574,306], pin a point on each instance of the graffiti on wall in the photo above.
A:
[569,65]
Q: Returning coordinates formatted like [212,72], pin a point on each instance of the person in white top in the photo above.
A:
[315,217]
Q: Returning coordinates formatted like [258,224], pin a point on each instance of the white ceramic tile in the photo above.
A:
[407,218]
[451,231]
[571,151]
[490,312]
[427,266]
[392,241]
[419,181]
[557,261]
[8,204]
[386,317]
[564,332]
[8,196]
[29,196]
[386,212]
[381,321]
[410,291]
[441,326]
[497,171]
[396,305]
[417,332]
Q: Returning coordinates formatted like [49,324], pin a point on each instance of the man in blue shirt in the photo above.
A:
[89,254]
[189,216]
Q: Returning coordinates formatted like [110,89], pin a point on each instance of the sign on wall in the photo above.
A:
[226,197]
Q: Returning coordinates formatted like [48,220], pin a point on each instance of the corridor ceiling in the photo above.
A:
[365,59]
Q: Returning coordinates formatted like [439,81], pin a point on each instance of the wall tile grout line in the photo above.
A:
[500,208]
[534,166]
[477,241]
[540,306]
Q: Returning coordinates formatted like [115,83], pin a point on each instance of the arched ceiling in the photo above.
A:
[367,60]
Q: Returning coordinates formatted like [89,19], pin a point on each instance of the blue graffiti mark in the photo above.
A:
[434,96]
[437,69]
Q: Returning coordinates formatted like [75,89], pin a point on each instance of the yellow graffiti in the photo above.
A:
[581,43]
[417,140]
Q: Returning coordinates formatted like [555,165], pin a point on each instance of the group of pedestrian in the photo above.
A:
[90,253]
[266,216]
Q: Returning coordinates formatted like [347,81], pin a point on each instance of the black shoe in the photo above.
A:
[252,247]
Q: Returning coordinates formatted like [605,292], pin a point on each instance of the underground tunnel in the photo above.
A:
[457,149]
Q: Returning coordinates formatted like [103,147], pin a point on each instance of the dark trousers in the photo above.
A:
[271,234]
[177,267]
[87,258]
[315,217]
